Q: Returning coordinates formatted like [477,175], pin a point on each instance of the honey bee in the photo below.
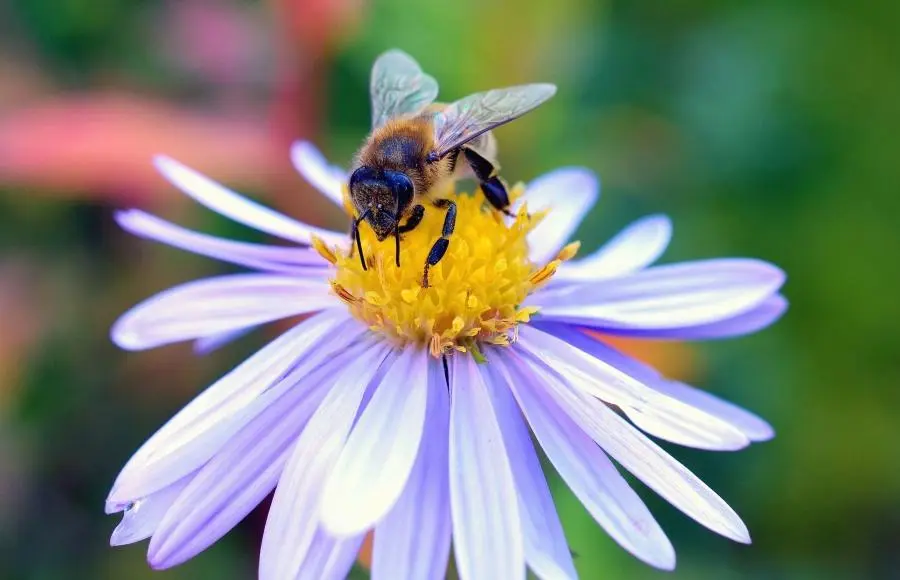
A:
[416,145]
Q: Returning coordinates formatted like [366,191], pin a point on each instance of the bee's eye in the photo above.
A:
[401,186]
[360,175]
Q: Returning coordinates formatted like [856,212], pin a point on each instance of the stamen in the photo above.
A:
[568,252]
[342,293]
[475,291]
[324,251]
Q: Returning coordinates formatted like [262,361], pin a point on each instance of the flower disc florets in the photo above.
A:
[474,294]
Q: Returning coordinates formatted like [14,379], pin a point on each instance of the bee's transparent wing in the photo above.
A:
[468,118]
[399,87]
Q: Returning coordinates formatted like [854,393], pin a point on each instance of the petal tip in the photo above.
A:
[125,338]
[114,505]
[124,535]
[736,530]
[661,221]
[164,164]
[299,153]
[339,525]
[667,563]
[765,433]
[157,563]
[341,518]
[160,555]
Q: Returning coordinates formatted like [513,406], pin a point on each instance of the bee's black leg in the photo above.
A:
[493,188]
[440,245]
[418,212]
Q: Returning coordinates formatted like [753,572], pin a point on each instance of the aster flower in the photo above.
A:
[409,411]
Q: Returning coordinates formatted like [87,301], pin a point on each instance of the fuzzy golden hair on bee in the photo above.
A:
[401,145]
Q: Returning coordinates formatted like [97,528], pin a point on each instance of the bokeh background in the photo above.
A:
[764,129]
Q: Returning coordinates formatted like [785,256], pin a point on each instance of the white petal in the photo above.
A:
[546,550]
[141,518]
[671,296]
[313,166]
[588,471]
[632,249]
[379,454]
[487,535]
[653,411]
[293,516]
[200,429]
[753,427]
[647,461]
[216,305]
[569,193]
[413,540]
[261,257]
[762,315]
[243,472]
[229,204]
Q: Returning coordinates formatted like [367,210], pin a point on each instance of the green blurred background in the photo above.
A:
[764,129]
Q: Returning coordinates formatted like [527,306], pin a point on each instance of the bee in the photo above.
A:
[417,144]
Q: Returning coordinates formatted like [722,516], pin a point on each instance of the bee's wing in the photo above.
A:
[399,87]
[468,118]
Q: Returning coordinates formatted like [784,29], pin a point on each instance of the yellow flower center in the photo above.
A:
[474,294]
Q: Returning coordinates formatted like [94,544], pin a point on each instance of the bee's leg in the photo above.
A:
[493,188]
[440,245]
[418,212]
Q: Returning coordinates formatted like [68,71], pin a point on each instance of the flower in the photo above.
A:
[408,411]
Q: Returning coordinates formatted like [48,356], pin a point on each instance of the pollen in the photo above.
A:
[474,294]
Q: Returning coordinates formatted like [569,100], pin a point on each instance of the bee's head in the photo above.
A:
[382,196]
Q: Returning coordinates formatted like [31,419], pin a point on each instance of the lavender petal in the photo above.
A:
[329,558]
[240,209]
[299,261]
[483,503]
[213,342]
[243,472]
[546,550]
[202,427]
[665,297]
[646,460]
[293,517]
[587,470]
[571,192]
[312,165]
[752,426]
[413,539]
[379,454]
[763,315]
[141,518]
[216,305]
[633,249]
[650,409]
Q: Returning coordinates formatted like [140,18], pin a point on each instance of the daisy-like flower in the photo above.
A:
[409,411]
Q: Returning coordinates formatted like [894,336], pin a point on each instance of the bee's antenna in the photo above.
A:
[397,244]
[358,237]
[397,234]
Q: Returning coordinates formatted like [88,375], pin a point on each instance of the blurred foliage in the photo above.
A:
[765,129]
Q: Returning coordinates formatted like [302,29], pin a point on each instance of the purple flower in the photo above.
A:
[408,411]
